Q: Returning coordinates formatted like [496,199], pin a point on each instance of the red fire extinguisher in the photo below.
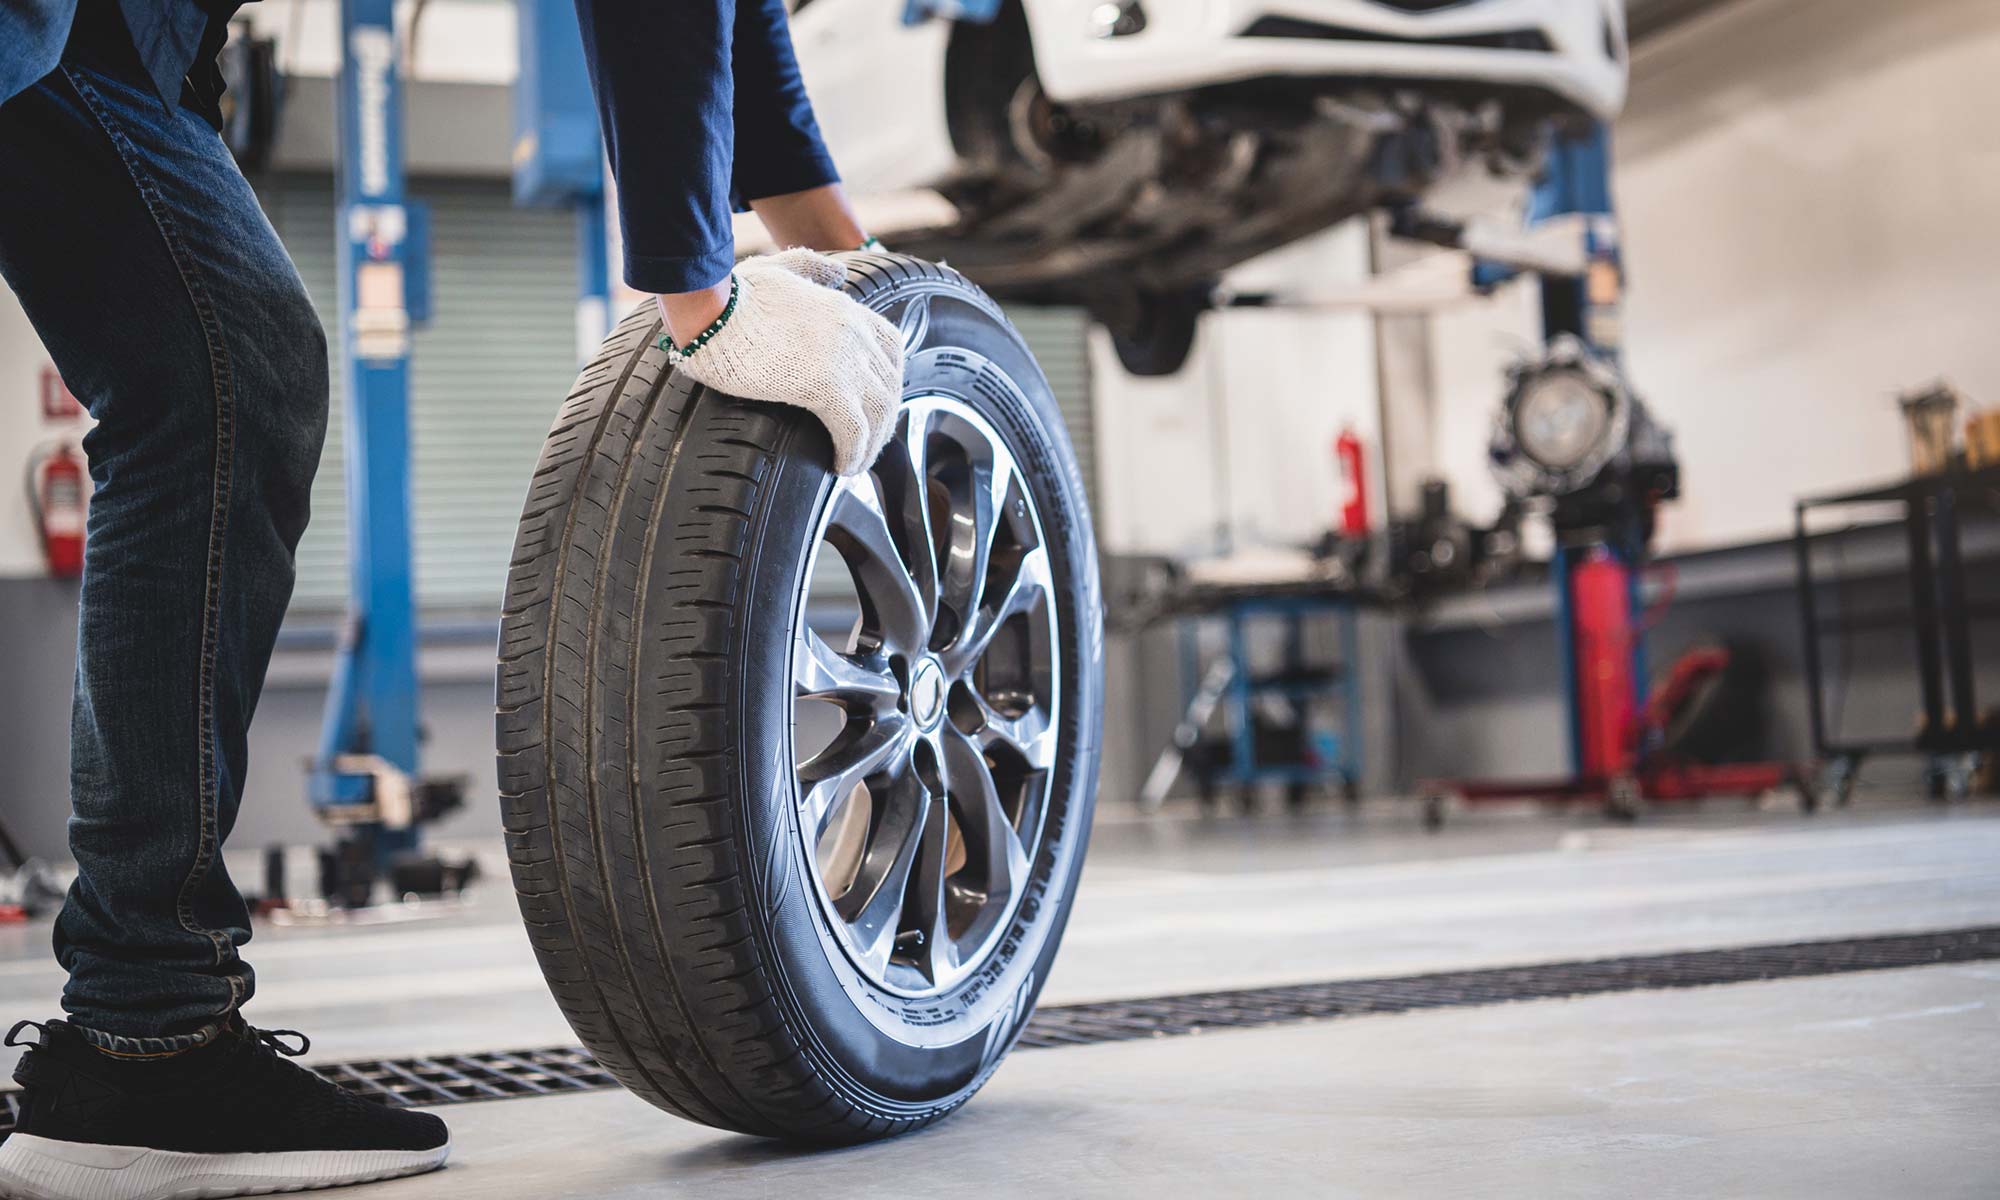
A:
[1354,485]
[60,501]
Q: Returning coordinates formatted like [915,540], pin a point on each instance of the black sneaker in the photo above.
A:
[231,1118]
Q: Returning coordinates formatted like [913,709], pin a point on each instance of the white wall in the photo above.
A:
[1472,345]
[1238,447]
[20,428]
[1809,191]
[22,431]
[459,41]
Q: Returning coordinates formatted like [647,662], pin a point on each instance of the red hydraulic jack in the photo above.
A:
[1615,729]
[1574,441]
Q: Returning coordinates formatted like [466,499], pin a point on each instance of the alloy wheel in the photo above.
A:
[924,670]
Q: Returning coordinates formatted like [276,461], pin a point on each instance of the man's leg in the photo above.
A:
[169,305]
[145,264]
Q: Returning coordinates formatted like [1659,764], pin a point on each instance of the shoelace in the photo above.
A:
[14,1035]
[274,1038]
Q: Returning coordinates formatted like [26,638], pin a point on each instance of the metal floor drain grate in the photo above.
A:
[458,1078]
[1170,1016]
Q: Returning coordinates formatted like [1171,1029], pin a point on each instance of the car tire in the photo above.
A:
[657,629]
[1154,332]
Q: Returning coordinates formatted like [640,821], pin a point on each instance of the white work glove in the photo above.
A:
[793,337]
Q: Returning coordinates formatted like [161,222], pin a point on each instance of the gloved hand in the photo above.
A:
[791,336]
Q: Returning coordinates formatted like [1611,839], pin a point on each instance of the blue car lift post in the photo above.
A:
[365,779]
[1578,181]
[559,153]
[1575,183]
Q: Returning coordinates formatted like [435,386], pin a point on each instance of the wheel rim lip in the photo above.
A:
[993,924]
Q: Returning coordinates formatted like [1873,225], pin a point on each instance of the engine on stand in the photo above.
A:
[1572,439]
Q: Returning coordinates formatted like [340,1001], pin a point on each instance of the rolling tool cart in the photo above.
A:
[1952,592]
[1297,724]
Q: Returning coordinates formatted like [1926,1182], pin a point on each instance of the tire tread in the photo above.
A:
[675,999]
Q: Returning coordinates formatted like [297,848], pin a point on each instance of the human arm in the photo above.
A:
[688,138]
[661,73]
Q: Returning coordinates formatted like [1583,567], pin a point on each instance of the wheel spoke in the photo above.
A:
[859,529]
[1029,734]
[819,672]
[831,774]
[873,907]
[976,509]
[981,817]
[1031,583]
[905,468]
[935,953]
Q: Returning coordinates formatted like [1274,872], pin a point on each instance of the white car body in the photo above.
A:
[877,88]
[1195,43]
[1100,149]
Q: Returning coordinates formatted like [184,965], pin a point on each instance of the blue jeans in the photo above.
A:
[171,309]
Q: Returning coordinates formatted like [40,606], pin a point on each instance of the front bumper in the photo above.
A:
[1571,49]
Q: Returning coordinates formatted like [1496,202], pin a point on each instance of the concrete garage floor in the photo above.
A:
[1874,1084]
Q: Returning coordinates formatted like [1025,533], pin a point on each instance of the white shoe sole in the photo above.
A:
[36,1168]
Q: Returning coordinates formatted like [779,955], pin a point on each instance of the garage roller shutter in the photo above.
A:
[486,376]
[1058,336]
[488,373]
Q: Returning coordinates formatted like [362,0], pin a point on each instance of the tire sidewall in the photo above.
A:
[897,1055]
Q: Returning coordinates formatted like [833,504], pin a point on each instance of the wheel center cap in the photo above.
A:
[927,694]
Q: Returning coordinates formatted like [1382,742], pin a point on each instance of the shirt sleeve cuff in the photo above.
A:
[797,174]
[662,274]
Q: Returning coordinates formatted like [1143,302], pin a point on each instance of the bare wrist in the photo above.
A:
[818,218]
[688,313]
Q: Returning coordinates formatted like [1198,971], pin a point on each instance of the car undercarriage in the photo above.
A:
[1135,207]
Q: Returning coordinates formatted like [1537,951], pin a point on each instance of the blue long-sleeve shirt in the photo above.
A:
[703,111]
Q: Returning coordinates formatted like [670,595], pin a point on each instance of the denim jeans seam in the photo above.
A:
[209,788]
[126,1045]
